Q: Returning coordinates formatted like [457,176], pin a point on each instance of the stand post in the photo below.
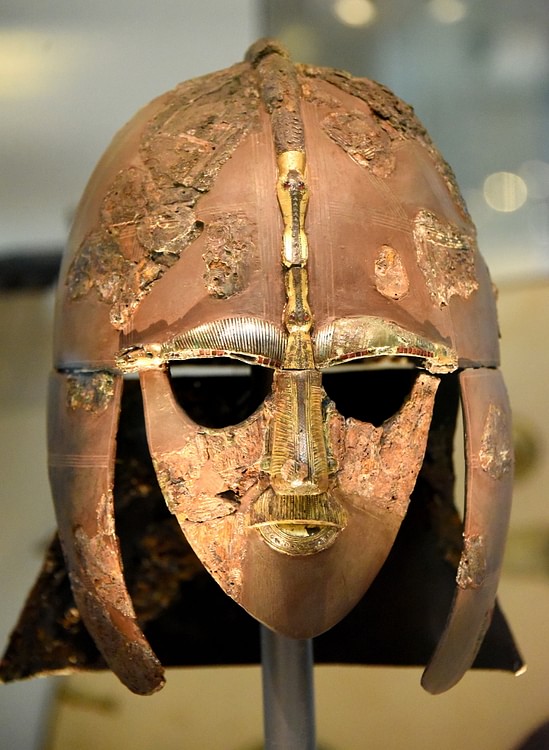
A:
[288,692]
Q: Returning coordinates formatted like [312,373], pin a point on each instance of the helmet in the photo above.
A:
[300,221]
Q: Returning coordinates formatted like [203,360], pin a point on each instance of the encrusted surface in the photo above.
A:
[211,478]
[366,144]
[210,475]
[496,451]
[472,567]
[446,258]
[102,556]
[280,92]
[393,116]
[92,392]
[381,464]
[230,242]
[390,274]
[147,217]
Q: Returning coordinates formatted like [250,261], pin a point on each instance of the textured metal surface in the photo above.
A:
[487,509]
[294,218]
[179,606]
[81,460]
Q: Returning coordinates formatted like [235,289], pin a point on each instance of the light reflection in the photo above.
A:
[301,40]
[355,12]
[33,62]
[505,191]
[447,11]
[536,175]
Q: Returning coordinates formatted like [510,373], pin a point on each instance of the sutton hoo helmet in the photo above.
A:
[297,219]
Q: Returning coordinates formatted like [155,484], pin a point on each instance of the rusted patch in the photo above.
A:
[91,392]
[229,247]
[380,465]
[446,257]
[221,546]
[496,450]
[365,143]
[359,470]
[317,94]
[472,566]
[147,217]
[390,274]
[281,95]
[394,116]
[211,475]
[98,264]
[99,555]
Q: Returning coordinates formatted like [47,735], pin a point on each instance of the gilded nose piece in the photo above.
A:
[298,461]
[298,524]
[297,514]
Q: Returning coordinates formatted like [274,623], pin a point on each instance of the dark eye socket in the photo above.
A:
[219,392]
[369,395]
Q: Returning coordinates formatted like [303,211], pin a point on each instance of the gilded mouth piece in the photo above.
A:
[297,524]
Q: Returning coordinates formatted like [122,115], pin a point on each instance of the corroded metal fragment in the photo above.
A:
[381,464]
[366,144]
[102,555]
[212,473]
[472,567]
[390,274]
[393,115]
[91,392]
[100,265]
[281,95]
[446,257]
[197,130]
[496,451]
[147,217]
[230,244]
[120,282]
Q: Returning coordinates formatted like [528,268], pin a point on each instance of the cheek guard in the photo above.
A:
[299,219]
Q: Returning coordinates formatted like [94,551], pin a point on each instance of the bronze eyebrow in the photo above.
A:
[369,336]
[249,339]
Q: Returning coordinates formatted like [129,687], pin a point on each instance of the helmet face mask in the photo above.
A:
[298,220]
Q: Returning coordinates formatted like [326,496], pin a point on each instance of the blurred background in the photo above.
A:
[477,73]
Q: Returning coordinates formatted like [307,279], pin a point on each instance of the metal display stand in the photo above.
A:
[288,692]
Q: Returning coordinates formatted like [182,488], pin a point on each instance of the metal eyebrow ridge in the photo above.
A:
[259,342]
[246,338]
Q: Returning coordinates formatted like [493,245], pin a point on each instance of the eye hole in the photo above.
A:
[219,392]
[369,394]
